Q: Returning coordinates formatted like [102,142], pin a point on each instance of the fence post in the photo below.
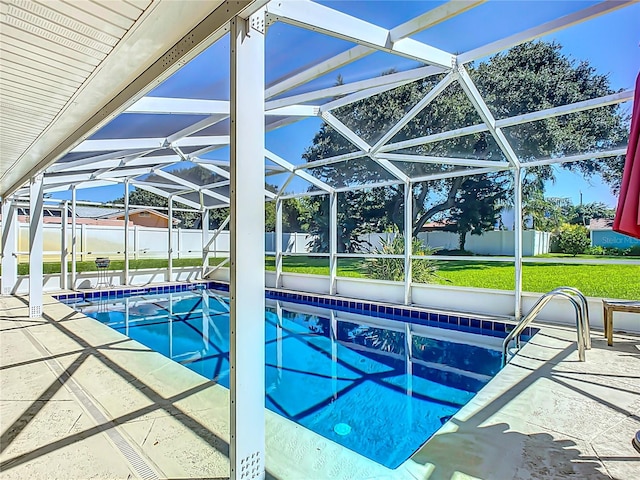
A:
[83,241]
[136,242]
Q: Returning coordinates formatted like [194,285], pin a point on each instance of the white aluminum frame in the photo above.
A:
[36,201]
[247,327]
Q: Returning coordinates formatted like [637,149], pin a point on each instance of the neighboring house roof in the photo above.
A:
[438,225]
[601,224]
[95,212]
[120,214]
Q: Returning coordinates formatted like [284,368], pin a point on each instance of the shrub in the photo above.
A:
[597,250]
[634,250]
[573,239]
[423,271]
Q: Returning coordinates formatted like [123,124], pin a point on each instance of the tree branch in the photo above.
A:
[446,205]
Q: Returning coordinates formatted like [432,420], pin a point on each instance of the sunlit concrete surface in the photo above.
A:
[80,400]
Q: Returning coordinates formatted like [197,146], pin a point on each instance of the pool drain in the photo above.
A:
[342,429]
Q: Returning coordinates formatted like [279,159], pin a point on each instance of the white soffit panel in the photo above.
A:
[63,65]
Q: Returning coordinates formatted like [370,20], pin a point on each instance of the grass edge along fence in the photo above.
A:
[608,281]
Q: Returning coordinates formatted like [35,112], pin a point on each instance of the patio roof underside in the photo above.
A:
[152,145]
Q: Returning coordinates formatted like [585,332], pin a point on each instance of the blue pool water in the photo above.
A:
[359,386]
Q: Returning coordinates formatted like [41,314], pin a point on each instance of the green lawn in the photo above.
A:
[90,266]
[611,281]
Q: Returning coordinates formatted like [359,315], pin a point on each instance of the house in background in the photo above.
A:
[602,235]
[143,217]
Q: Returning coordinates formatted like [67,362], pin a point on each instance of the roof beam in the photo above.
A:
[577,158]
[148,143]
[92,160]
[300,173]
[391,81]
[190,106]
[479,104]
[164,194]
[188,184]
[319,18]
[331,160]
[462,173]
[415,25]
[584,105]
[343,130]
[417,108]
[466,162]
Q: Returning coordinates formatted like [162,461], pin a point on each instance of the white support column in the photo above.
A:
[517,227]
[278,242]
[333,242]
[74,239]
[170,241]
[408,241]
[205,241]
[64,248]
[9,246]
[36,199]
[126,232]
[247,321]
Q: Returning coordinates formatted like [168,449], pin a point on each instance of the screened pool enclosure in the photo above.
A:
[237,95]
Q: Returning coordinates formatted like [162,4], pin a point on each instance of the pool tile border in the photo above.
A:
[431,318]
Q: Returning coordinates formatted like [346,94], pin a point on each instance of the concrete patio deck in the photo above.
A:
[79,400]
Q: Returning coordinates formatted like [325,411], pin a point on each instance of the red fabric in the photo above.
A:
[627,219]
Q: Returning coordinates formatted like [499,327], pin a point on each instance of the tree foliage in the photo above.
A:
[529,77]
[550,213]
[478,205]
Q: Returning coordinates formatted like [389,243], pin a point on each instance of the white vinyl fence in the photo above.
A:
[489,243]
[145,242]
[108,241]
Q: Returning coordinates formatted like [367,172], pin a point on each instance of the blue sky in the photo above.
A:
[610,43]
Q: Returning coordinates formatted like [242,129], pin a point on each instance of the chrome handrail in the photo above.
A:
[585,308]
[582,320]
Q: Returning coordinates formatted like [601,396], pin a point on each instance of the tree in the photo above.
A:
[548,213]
[583,213]
[478,205]
[295,215]
[529,77]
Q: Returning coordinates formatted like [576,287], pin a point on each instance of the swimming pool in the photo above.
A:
[378,386]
